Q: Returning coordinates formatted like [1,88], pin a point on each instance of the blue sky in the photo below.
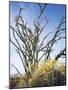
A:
[31,12]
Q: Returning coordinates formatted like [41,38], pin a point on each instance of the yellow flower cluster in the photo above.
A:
[46,66]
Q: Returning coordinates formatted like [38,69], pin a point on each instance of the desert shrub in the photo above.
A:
[23,82]
[14,81]
[19,81]
[49,73]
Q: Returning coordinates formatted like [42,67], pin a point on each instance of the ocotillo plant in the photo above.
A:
[28,45]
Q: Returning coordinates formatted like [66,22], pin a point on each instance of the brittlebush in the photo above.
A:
[49,73]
